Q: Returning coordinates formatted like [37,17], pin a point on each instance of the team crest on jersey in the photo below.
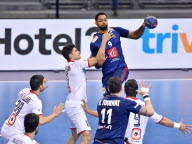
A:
[136,134]
[113,52]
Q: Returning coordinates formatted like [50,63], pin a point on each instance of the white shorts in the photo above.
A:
[77,119]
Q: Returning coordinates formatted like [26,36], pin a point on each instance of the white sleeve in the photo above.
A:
[83,63]
[37,109]
[156,117]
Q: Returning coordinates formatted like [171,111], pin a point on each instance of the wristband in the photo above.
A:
[146,99]
[125,139]
[145,96]
[176,125]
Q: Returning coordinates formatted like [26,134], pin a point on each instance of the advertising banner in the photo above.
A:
[35,44]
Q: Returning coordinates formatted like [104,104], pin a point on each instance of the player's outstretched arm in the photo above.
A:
[146,110]
[181,126]
[87,110]
[137,33]
[57,111]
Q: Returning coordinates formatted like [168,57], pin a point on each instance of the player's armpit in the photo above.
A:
[137,33]
[143,111]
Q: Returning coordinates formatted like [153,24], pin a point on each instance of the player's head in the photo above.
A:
[130,87]
[114,85]
[31,122]
[101,21]
[36,82]
[70,52]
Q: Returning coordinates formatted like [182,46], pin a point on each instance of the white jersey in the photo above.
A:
[28,102]
[137,124]
[76,78]
[22,139]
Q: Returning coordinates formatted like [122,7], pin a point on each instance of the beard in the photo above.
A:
[103,28]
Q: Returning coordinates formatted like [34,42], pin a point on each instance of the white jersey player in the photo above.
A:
[28,102]
[76,79]
[137,123]
[22,139]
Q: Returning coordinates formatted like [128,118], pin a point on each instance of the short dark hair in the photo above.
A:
[31,122]
[114,84]
[36,81]
[98,14]
[67,50]
[130,87]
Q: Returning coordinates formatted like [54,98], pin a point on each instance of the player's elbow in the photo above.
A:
[41,120]
[150,112]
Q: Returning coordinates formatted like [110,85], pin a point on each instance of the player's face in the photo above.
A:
[102,22]
[75,54]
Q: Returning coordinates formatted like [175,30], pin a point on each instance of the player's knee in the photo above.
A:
[86,136]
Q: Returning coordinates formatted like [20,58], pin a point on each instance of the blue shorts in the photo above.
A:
[120,72]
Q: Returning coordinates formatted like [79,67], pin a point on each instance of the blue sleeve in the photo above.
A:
[123,32]
[132,106]
[93,50]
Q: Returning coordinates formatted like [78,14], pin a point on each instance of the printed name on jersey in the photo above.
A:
[24,97]
[17,141]
[105,127]
[94,39]
[109,102]
[113,53]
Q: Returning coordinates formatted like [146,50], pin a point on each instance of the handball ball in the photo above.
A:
[151,22]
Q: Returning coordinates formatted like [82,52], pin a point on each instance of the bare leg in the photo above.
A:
[86,137]
[73,138]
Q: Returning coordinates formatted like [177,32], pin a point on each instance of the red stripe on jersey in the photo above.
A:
[71,61]
[27,135]
[72,128]
[33,92]
[160,120]
[134,98]
[88,63]
[124,73]
[81,132]
[40,114]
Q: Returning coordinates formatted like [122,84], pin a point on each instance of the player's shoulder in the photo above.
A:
[25,90]
[95,38]
[137,100]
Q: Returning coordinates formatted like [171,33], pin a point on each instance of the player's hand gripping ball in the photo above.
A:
[151,22]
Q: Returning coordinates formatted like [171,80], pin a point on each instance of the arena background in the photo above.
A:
[171,89]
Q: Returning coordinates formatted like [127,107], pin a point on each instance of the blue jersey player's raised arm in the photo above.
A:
[115,64]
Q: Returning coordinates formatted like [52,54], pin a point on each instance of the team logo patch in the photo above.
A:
[113,52]
[12,119]
[136,134]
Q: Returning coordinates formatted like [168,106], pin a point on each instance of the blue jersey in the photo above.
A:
[113,112]
[113,51]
